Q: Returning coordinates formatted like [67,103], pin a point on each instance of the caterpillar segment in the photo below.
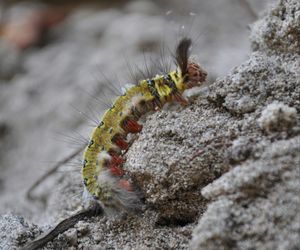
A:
[102,165]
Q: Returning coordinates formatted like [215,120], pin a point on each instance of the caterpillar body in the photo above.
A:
[102,159]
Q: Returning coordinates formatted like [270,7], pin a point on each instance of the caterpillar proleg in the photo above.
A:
[102,159]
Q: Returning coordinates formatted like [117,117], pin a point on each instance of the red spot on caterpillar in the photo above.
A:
[115,170]
[132,126]
[126,185]
[121,143]
[116,159]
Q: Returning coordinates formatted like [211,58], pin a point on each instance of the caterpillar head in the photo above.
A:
[193,75]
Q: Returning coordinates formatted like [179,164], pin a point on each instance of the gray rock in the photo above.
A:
[15,231]
[278,32]
[278,117]
[259,81]
[173,159]
[256,204]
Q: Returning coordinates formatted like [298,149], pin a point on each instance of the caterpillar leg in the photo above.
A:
[117,171]
[180,99]
[131,126]
[120,142]
[115,159]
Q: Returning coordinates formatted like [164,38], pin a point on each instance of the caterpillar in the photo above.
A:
[102,173]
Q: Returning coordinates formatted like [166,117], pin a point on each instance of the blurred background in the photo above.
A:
[54,55]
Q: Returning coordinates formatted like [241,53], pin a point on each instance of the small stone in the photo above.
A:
[71,236]
[277,117]
[240,150]
[83,228]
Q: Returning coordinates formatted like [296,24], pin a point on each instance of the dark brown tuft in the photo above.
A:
[182,54]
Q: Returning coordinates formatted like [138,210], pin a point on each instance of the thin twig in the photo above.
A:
[64,225]
[50,172]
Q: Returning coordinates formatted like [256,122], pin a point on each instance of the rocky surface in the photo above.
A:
[278,32]
[256,204]
[15,231]
[222,173]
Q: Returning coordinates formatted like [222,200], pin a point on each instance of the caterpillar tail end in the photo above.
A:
[117,195]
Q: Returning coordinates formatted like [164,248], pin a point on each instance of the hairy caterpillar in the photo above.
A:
[102,159]
[102,164]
